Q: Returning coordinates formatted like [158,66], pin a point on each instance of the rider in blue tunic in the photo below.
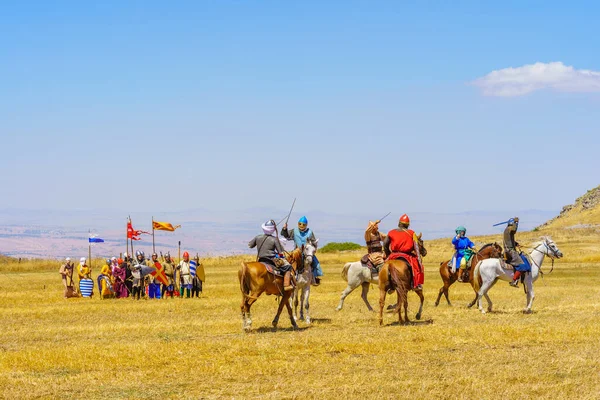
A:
[301,236]
[461,243]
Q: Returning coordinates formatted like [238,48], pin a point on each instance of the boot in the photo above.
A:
[460,275]
[317,281]
[515,281]
[287,281]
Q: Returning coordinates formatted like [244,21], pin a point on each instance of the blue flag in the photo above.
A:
[96,240]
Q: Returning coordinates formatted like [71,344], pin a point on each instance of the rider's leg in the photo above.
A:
[317,271]
[515,281]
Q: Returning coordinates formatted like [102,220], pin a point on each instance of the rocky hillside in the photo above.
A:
[584,213]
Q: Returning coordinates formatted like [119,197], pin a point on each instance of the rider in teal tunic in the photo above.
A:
[301,236]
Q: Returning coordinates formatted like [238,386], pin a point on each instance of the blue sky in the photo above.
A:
[348,106]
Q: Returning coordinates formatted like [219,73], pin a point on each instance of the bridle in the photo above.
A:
[552,256]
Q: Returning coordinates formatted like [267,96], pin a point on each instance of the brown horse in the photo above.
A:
[256,280]
[397,275]
[490,250]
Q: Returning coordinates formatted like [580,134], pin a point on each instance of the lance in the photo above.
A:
[287,219]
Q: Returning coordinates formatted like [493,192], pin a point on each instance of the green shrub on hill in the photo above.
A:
[333,247]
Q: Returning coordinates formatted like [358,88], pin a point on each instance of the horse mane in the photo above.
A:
[485,246]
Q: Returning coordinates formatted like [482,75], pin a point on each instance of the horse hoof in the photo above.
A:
[436,304]
[274,323]
[527,312]
[307,321]
[338,308]
[418,316]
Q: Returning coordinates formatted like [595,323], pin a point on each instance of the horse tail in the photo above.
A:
[244,287]
[476,284]
[345,271]
[244,282]
[397,283]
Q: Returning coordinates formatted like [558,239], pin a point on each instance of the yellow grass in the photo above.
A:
[194,348]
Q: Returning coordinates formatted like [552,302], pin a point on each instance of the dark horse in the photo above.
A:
[256,280]
[397,275]
[490,250]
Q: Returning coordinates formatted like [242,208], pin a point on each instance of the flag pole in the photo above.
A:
[89,250]
[127,235]
[153,250]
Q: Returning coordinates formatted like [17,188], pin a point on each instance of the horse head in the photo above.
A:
[308,251]
[549,248]
[422,249]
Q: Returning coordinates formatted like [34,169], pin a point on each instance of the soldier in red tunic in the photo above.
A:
[403,243]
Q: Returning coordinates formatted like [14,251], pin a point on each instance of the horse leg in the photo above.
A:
[306,304]
[471,304]
[295,300]
[365,291]
[284,299]
[289,310]
[349,289]
[301,294]
[382,293]
[420,294]
[530,294]
[483,292]
[399,306]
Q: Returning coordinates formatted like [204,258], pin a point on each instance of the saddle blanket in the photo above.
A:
[272,270]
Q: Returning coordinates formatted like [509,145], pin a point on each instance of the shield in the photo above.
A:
[159,274]
[146,270]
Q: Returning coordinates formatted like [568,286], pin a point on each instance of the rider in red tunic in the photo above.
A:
[402,243]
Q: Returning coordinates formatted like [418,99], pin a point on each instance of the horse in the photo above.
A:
[397,274]
[256,280]
[304,277]
[489,271]
[357,274]
[490,250]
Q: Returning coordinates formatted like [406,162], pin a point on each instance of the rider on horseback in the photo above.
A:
[402,243]
[510,249]
[300,236]
[461,243]
[270,251]
[374,240]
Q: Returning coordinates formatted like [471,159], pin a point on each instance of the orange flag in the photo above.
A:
[164,226]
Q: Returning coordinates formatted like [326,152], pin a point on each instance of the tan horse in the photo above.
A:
[400,273]
[256,280]
[490,250]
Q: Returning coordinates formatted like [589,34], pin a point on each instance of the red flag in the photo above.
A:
[132,233]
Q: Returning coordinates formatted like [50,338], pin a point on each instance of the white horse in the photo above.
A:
[304,278]
[357,274]
[490,270]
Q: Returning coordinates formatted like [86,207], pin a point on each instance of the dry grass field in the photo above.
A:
[51,347]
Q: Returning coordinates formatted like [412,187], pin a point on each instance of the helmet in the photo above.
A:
[303,220]
[108,261]
[139,253]
[186,254]
[404,220]
[154,255]
[113,259]
[168,256]
[268,227]
[461,229]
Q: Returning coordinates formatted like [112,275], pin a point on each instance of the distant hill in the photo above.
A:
[584,213]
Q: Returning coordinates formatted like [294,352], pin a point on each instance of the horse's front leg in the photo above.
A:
[306,295]
[530,294]
[382,293]
[289,309]
[294,298]
[284,299]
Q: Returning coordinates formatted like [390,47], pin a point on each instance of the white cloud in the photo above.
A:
[519,81]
